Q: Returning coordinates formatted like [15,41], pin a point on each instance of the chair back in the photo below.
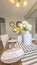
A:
[35,36]
[4,39]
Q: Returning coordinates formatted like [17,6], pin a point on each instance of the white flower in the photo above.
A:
[24,23]
[29,27]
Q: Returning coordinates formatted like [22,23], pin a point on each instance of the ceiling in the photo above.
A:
[7,9]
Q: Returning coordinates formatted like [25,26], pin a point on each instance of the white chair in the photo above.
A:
[4,39]
[35,37]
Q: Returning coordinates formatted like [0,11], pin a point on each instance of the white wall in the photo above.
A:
[9,30]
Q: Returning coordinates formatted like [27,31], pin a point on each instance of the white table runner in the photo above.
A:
[30,56]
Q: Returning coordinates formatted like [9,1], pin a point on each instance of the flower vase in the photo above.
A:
[19,38]
[27,38]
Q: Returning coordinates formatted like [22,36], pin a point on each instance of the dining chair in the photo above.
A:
[4,39]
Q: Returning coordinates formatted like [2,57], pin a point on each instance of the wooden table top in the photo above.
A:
[34,41]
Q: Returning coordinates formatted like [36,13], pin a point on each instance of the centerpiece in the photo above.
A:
[26,28]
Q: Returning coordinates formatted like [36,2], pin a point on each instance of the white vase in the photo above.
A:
[19,38]
[27,38]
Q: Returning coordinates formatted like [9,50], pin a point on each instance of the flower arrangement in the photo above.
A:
[24,26]
[18,30]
